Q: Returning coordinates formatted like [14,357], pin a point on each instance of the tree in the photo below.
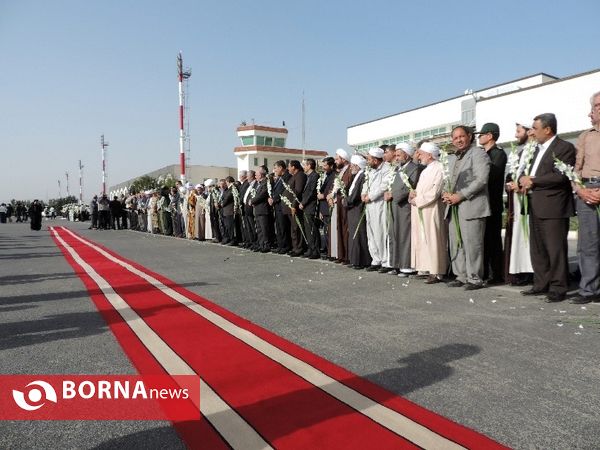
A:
[143,183]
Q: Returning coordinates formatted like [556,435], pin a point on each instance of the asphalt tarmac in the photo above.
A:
[517,369]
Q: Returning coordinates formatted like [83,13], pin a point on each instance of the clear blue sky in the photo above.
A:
[72,70]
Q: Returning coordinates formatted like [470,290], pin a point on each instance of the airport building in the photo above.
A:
[504,104]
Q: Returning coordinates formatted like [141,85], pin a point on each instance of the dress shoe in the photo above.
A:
[494,281]
[394,272]
[373,268]
[473,286]
[358,267]
[554,297]
[338,261]
[385,270]
[432,279]
[455,283]
[533,291]
[314,257]
[580,300]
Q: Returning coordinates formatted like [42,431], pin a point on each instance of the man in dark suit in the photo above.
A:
[282,220]
[308,204]
[551,206]
[250,239]
[296,184]
[227,209]
[328,166]
[493,259]
[262,210]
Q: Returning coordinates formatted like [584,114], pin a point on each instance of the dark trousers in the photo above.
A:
[95,219]
[548,247]
[263,231]
[104,220]
[493,257]
[229,229]
[249,230]
[282,222]
[588,247]
[115,220]
[296,233]
[313,236]
[325,238]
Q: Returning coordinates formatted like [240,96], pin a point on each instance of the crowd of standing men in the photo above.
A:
[408,210]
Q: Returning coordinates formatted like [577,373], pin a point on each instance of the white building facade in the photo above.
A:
[504,104]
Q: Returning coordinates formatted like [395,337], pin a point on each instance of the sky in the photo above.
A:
[71,71]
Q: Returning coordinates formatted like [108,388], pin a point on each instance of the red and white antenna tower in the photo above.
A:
[183,75]
[103,144]
[68,192]
[59,190]
[80,183]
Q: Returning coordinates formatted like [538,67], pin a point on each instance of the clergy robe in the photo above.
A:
[342,219]
[377,226]
[429,238]
[191,215]
[400,224]
[358,246]
[199,218]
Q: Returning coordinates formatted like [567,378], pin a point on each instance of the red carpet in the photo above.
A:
[265,385]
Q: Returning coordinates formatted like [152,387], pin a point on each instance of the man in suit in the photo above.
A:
[296,184]
[551,206]
[308,205]
[262,210]
[250,240]
[328,166]
[227,208]
[493,259]
[282,220]
[469,184]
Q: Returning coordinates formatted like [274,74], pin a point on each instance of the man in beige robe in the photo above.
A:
[429,232]
[191,211]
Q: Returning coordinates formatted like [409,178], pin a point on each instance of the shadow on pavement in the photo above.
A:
[26,279]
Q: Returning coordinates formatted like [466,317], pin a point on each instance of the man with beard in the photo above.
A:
[250,239]
[429,236]
[35,214]
[262,210]
[493,260]
[344,180]
[293,192]
[358,246]
[377,224]
[282,220]
[325,188]
[587,165]
[551,201]
[104,212]
[228,211]
[400,221]
[308,205]
[467,208]
[517,260]
[94,211]
[115,213]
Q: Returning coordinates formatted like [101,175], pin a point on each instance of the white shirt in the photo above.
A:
[353,185]
[542,151]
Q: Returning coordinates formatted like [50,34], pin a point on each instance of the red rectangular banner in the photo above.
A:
[99,397]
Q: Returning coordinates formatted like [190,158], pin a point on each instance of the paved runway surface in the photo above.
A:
[513,368]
